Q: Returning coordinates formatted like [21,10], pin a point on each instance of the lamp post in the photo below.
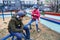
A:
[3,13]
[4,4]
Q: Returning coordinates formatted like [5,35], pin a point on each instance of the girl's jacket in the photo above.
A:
[35,14]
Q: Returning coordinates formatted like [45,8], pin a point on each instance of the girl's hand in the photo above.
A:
[34,14]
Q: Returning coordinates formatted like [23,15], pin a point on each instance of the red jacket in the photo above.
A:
[35,14]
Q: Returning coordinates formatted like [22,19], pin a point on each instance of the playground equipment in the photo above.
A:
[6,37]
[10,35]
[10,12]
[54,24]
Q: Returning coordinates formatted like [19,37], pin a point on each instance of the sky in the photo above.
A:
[0,1]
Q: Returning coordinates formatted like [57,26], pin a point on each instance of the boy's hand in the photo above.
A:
[23,31]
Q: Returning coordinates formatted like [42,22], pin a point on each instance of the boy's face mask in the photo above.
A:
[19,18]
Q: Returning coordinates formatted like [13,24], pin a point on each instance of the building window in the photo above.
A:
[22,2]
[9,2]
[5,2]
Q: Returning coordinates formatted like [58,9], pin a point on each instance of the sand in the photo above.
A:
[44,34]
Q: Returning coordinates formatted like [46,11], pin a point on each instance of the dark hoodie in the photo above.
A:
[15,25]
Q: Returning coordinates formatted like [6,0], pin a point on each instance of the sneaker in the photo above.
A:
[29,39]
[38,30]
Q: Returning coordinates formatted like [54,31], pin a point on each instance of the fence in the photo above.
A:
[3,14]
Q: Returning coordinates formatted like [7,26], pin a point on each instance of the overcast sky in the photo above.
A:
[0,1]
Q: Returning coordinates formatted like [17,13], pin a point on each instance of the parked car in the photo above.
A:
[47,9]
[41,8]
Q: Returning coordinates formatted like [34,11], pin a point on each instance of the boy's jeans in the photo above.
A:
[20,35]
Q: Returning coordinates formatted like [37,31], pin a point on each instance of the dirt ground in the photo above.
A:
[44,34]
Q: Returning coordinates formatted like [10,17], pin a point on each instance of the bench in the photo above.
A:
[8,36]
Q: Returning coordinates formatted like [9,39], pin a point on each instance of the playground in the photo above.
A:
[44,34]
[48,15]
